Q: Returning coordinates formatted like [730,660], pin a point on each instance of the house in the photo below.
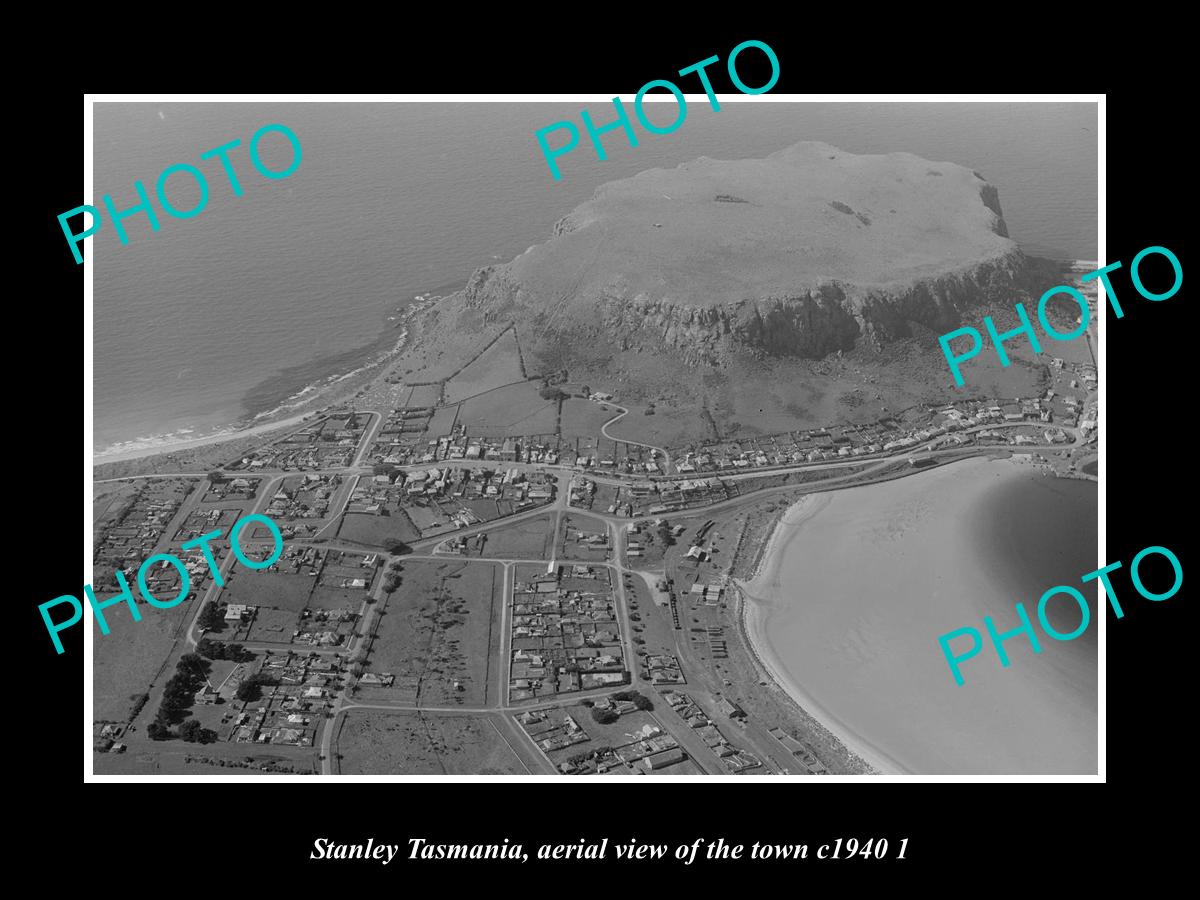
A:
[663,758]
[206,696]
[731,709]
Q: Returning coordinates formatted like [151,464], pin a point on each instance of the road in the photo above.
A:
[666,467]
[425,549]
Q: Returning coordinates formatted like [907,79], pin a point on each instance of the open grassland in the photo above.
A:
[496,366]
[381,743]
[439,635]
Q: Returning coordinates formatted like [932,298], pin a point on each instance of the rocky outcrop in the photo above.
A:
[788,270]
[809,324]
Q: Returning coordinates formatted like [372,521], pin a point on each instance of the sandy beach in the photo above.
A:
[852,594]
[216,438]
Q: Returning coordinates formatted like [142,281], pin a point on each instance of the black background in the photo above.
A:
[962,836]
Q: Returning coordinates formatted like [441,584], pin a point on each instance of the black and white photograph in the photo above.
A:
[725,435]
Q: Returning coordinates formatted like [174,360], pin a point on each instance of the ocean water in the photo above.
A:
[1037,533]
[213,320]
[870,577]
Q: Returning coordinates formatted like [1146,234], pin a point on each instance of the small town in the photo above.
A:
[460,594]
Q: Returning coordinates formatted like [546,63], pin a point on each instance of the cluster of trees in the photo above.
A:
[395,546]
[664,533]
[220,650]
[550,392]
[191,672]
[251,689]
[194,733]
[139,701]
[211,617]
[391,578]
[604,716]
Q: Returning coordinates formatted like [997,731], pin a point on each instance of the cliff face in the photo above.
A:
[803,254]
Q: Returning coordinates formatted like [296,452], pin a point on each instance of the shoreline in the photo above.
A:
[751,619]
[884,687]
[99,459]
[337,390]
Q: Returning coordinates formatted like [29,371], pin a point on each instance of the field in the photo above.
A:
[529,539]
[270,626]
[516,409]
[424,395]
[442,421]
[131,655]
[342,598]
[606,495]
[583,418]
[498,365]
[275,589]
[371,530]
[443,343]
[439,634]
[668,427]
[207,759]
[110,500]
[370,743]
[570,548]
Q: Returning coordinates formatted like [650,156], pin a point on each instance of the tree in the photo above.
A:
[249,690]
[216,476]
[664,534]
[238,653]
[190,731]
[604,716]
[139,700]
[158,732]
[382,469]
[193,664]
[211,618]
[395,546]
[218,650]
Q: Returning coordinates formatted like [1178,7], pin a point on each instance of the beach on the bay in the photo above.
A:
[856,586]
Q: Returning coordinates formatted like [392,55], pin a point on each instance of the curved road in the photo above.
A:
[624,412]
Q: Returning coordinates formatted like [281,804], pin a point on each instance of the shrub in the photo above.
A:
[604,716]
[138,703]
[211,618]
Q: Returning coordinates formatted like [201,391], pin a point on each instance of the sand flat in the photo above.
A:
[846,611]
